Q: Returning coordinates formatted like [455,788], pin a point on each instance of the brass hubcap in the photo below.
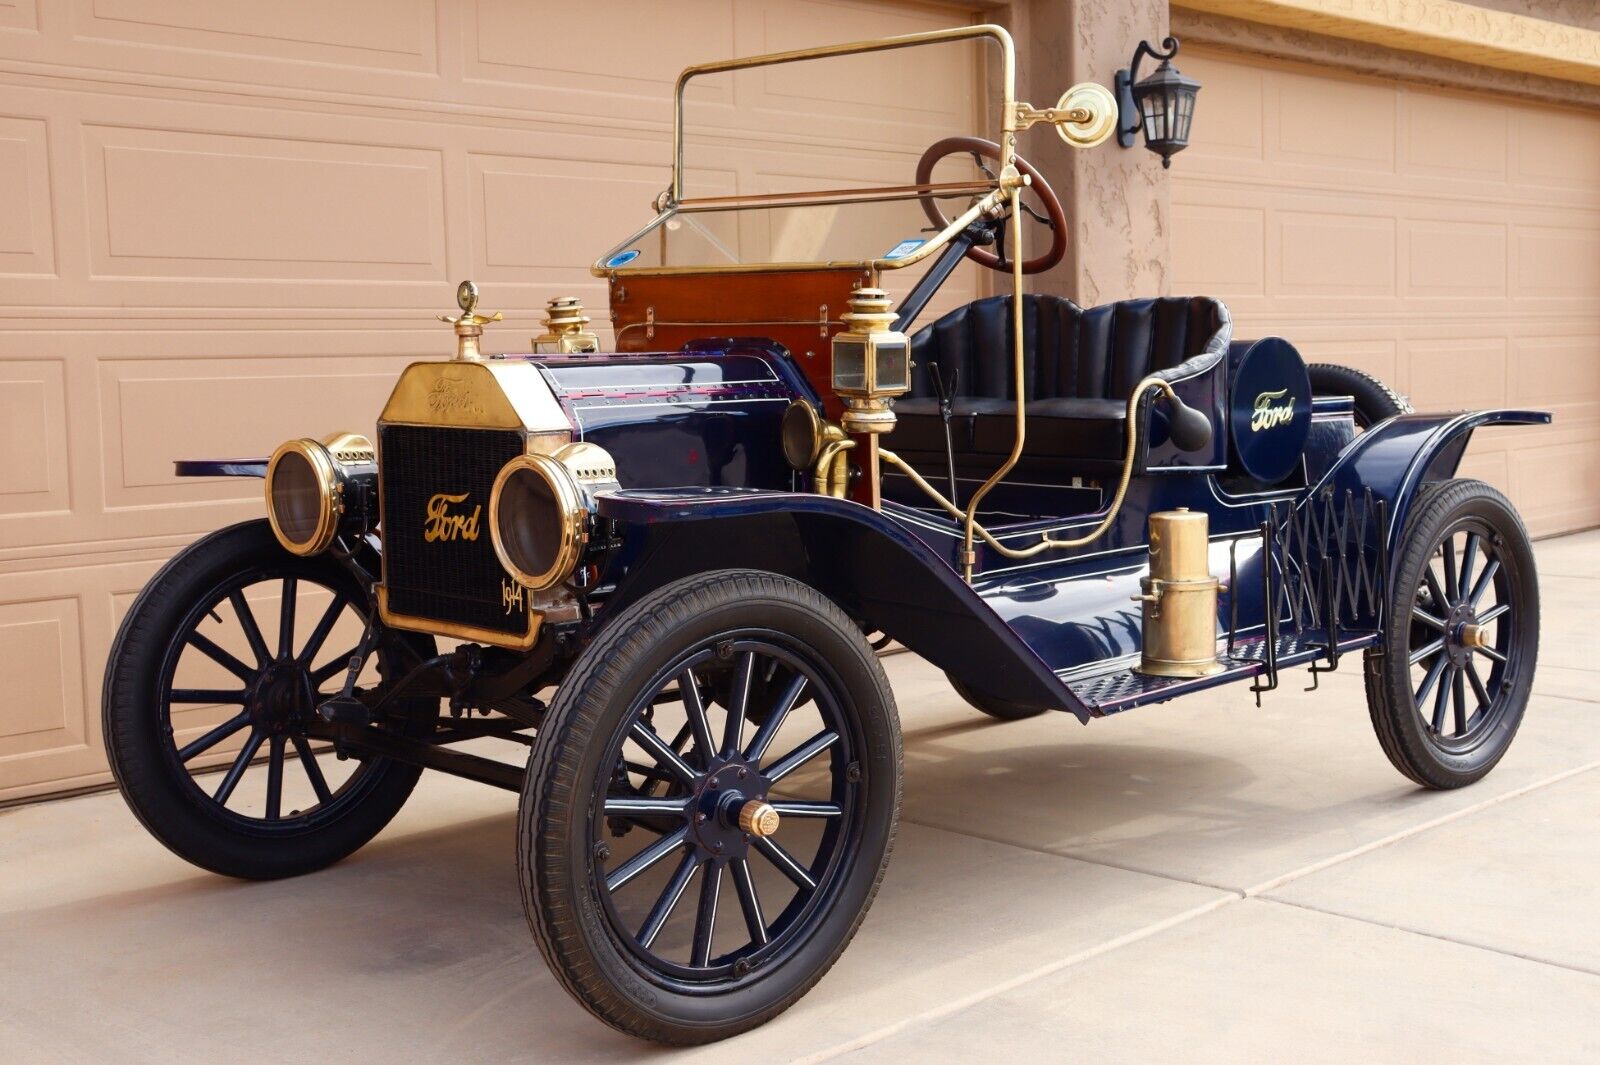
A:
[758,818]
[1474,636]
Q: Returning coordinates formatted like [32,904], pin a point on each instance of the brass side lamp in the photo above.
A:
[871,363]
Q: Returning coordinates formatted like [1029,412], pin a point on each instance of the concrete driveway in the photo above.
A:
[1203,881]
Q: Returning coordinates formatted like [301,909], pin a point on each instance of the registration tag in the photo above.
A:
[904,248]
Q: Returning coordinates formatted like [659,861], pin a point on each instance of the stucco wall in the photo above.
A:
[1585,13]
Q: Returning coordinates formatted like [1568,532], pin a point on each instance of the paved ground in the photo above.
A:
[1199,882]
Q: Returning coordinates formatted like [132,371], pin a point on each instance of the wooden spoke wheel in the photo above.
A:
[710,806]
[1449,688]
[210,709]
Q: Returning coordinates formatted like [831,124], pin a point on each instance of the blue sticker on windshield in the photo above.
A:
[904,248]
[623,258]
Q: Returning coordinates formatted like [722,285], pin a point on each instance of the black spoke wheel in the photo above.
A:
[1449,688]
[710,806]
[210,708]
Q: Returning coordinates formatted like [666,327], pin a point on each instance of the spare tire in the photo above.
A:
[1374,400]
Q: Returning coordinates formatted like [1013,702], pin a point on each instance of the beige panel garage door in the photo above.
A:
[1445,241]
[226,224]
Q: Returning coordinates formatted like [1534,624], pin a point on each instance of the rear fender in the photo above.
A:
[877,571]
[1396,458]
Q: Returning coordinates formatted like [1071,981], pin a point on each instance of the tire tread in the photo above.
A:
[1409,754]
[554,768]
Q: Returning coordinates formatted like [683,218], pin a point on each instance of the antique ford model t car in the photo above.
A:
[661,569]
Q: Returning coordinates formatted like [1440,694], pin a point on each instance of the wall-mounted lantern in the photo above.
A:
[1162,104]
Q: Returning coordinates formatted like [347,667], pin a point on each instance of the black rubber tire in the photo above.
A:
[1374,400]
[1390,696]
[139,747]
[995,707]
[554,865]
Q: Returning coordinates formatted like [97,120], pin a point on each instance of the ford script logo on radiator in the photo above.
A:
[1268,413]
[442,524]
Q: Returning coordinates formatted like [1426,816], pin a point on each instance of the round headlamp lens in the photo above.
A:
[537,521]
[300,501]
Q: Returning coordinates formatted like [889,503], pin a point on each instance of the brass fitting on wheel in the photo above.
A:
[758,818]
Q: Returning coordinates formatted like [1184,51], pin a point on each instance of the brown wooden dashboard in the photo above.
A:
[800,309]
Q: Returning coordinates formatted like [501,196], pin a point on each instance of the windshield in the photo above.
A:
[888,232]
[810,159]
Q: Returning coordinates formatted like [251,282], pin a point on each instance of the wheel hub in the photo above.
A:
[281,697]
[729,802]
[1465,634]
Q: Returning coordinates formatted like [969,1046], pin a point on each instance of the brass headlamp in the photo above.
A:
[871,363]
[314,487]
[539,510]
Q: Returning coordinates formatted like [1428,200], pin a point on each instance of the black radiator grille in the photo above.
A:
[450,578]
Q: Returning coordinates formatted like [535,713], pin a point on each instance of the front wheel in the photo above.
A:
[210,708]
[1449,682]
[710,806]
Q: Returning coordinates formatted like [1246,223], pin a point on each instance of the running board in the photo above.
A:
[1123,689]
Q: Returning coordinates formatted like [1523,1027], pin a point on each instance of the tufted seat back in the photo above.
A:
[1068,352]
[1079,368]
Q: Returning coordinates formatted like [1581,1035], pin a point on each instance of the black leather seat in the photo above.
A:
[1079,367]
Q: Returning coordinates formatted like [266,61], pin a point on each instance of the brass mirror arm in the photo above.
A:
[1029,116]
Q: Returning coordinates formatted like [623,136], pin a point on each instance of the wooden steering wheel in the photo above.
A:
[1054,218]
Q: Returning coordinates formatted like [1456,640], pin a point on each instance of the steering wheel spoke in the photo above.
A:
[1053,219]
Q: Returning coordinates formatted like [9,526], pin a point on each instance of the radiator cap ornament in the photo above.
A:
[469,323]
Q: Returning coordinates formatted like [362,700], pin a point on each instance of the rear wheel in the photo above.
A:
[995,707]
[1374,400]
[210,709]
[1448,685]
[710,806]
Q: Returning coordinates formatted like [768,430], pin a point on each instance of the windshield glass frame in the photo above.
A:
[986,195]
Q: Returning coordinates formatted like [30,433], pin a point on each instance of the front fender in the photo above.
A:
[876,570]
[219,467]
[1397,457]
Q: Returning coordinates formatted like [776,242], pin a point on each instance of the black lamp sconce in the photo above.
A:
[1162,104]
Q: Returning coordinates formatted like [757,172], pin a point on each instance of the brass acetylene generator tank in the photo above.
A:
[1179,598]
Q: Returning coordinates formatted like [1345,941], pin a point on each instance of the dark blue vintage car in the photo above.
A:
[666,569]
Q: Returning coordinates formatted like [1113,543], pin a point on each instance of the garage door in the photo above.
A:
[1445,241]
[228,224]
